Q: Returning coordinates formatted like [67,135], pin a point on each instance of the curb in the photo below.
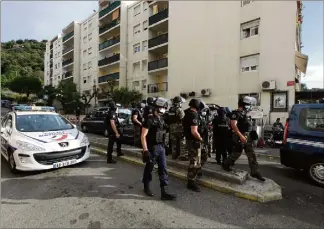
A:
[217,185]
[268,156]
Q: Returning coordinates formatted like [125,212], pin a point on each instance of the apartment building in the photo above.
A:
[52,61]
[89,54]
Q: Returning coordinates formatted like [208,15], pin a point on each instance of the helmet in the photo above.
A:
[247,100]
[176,100]
[160,104]
[112,105]
[150,100]
[194,103]
[222,111]
[203,106]
[140,105]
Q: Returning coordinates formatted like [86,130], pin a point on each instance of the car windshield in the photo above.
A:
[124,113]
[41,123]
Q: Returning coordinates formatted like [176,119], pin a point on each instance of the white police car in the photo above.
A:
[37,138]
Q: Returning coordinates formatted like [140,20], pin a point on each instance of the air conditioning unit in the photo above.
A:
[206,92]
[192,94]
[184,95]
[268,85]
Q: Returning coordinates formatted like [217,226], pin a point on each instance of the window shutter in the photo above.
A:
[250,24]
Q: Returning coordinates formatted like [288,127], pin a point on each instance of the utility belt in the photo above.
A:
[236,138]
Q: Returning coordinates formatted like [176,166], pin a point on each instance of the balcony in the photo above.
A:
[159,17]
[111,7]
[109,43]
[67,62]
[109,60]
[109,26]
[158,64]
[67,74]
[159,40]
[51,65]
[105,78]
[51,47]
[51,56]
[67,50]
[157,87]
[68,36]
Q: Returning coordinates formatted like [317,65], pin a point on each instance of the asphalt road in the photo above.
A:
[96,195]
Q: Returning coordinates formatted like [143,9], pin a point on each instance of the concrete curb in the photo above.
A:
[268,156]
[246,191]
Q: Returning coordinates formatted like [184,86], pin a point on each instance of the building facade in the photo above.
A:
[197,50]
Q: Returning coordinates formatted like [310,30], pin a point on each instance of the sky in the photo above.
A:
[45,19]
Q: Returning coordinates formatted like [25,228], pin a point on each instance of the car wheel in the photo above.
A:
[106,133]
[84,129]
[316,172]
[12,163]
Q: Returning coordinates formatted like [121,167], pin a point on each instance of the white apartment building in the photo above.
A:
[52,61]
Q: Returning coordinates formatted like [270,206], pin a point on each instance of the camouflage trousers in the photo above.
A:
[197,158]
[177,141]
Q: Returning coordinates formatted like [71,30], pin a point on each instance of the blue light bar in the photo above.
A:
[33,108]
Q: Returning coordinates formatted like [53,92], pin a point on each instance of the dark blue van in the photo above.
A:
[303,145]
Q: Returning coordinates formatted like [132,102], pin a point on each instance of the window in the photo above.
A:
[137,48]
[143,84]
[90,36]
[312,119]
[89,50]
[59,64]
[145,25]
[144,65]
[250,63]
[55,66]
[136,69]
[144,45]
[89,64]
[137,29]
[137,10]
[84,39]
[145,6]
[84,66]
[250,29]
[84,79]
[84,53]
[135,85]
[243,3]
[85,28]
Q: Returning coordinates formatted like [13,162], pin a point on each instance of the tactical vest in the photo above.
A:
[139,116]
[160,130]
[244,123]
[173,117]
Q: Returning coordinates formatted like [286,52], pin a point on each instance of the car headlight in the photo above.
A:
[85,141]
[25,146]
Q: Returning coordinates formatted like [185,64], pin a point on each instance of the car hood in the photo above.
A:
[53,136]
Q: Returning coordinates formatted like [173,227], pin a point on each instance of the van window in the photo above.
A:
[312,119]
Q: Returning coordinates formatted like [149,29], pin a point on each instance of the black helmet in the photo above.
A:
[176,100]
[221,111]
[195,103]
[150,100]
[112,105]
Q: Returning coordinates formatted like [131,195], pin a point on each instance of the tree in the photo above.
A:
[126,96]
[50,92]
[25,85]
[68,95]
[303,87]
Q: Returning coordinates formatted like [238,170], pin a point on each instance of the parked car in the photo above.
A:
[303,143]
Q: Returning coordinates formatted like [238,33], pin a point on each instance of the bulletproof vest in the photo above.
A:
[139,116]
[172,116]
[222,126]
[147,111]
[158,123]
[244,123]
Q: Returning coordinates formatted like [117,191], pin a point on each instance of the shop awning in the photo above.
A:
[301,61]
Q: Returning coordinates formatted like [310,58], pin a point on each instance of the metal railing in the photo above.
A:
[159,16]
[67,49]
[162,63]
[109,26]
[109,60]
[109,43]
[157,87]
[66,62]
[158,40]
[109,8]
[68,74]
[105,78]
[68,36]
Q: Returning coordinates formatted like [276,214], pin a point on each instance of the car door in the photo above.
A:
[6,130]
[89,121]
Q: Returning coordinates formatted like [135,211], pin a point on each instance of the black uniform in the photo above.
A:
[148,111]
[137,127]
[112,115]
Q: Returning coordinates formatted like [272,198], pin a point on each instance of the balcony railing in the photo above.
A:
[158,40]
[159,17]
[162,63]
[68,36]
[109,43]
[68,74]
[51,56]
[157,87]
[51,65]
[66,62]
[109,60]
[67,49]
[105,78]
[109,26]
[51,47]
[109,8]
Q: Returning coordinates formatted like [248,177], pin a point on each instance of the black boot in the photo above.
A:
[120,154]
[226,166]
[199,174]
[165,195]
[192,185]
[111,161]
[258,176]
[147,190]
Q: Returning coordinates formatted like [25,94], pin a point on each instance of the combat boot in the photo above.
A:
[258,176]
[165,195]
[111,161]
[226,166]
[147,190]
[192,185]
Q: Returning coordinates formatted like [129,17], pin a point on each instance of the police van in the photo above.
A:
[303,144]
[37,138]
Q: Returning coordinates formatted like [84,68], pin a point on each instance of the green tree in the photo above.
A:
[68,95]
[50,92]
[25,85]
[126,96]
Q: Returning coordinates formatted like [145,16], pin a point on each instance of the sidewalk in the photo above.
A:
[237,182]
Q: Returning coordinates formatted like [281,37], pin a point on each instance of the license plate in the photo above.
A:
[64,163]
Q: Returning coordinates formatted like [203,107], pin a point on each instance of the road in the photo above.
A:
[96,195]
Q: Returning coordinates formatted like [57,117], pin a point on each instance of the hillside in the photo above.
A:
[22,58]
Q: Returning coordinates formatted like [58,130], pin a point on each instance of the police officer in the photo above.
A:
[113,132]
[204,133]
[242,126]
[153,138]
[137,119]
[221,135]
[174,122]
[148,109]
[193,142]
